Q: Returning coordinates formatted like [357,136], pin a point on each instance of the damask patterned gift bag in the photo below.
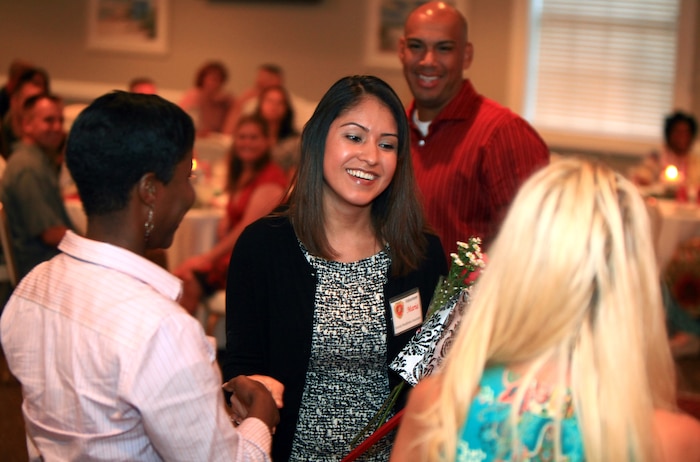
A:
[424,353]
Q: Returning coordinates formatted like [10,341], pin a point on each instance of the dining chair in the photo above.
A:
[8,265]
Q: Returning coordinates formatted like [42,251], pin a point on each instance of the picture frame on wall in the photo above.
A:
[385,22]
[131,26]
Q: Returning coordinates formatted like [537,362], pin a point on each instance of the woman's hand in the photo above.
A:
[274,386]
[251,398]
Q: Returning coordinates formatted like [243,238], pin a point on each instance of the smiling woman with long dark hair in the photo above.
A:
[311,289]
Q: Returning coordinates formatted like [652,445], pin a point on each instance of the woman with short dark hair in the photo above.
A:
[111,366]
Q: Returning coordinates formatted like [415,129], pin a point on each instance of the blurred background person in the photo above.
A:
[275,107]
[31,82]
[17,67]
[311,290]
[30,190]
[680,149]
[563,352]
[208,102]
[268,75]
[143,85]
[255,186]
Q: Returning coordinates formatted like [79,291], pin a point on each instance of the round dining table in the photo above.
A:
[672,223]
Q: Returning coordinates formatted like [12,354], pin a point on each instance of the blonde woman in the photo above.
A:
[563,352]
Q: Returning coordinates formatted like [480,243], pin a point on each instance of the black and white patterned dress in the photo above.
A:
[347,379]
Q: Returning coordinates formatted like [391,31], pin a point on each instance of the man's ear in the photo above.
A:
[468,56]
[147,188]
[402,47]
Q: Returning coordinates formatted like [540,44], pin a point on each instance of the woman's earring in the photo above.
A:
[148,226]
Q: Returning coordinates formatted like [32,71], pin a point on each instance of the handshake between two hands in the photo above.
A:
[255,396]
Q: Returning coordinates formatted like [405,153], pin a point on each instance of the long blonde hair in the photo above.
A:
[572,277]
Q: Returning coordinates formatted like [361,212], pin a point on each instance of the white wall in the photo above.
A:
[315,43]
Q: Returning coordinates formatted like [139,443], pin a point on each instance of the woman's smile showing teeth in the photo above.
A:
[360,174]
[360,154]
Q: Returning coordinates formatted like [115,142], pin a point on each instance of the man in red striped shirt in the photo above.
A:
[470,154]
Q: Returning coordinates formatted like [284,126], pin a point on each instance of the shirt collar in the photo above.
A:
[467,97]
[122,260]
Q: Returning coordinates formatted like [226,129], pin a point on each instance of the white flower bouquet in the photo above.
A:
[424,353]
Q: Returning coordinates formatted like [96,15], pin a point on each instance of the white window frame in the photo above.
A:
[571,141]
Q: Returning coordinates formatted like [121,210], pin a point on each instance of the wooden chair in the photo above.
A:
[8,267]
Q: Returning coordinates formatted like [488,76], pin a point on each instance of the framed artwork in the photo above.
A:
[134,26]
[385,22]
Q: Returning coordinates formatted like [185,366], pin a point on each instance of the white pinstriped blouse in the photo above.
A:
[112,368]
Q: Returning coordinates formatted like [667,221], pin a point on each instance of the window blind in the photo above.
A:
[605,67]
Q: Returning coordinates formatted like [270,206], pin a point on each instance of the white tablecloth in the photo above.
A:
[196,233]
[672,223]
[209,174]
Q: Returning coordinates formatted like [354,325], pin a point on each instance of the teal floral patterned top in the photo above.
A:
[486,436]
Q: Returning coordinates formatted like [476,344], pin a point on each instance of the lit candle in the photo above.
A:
[671,174]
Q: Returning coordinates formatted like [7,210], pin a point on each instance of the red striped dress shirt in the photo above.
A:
[470,165]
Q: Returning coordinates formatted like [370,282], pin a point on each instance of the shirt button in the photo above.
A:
[421,143]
